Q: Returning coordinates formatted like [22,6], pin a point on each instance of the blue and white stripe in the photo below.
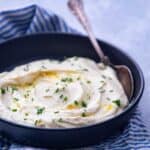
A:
[34,19]
[29,20]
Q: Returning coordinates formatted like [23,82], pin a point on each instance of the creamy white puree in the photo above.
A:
[53,94]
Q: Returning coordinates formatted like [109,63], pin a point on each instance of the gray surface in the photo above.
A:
[125,23]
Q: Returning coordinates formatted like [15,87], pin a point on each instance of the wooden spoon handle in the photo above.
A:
[76,6]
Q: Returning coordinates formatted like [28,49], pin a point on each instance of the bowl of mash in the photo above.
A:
[53,89]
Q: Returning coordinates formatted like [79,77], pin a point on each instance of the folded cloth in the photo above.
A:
[33,19]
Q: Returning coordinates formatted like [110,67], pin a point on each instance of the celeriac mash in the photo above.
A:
[54,94]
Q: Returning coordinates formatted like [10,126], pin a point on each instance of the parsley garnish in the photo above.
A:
[14,89]
[83,104]
[117,102]
[83,114]
[3,91]
[88,81]
[60,120]
[78,78]
[76,103]
[67,80]
[57,90]
[26,114]
[61,96]
[26,95]
[14,110]
[103,84]
[37,122]
[65,98]
[16,99]
[40,110]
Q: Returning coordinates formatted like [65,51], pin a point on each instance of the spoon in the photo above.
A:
[123,72]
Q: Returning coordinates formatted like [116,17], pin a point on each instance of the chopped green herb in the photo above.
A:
[64,88]
[14,110]
[37,122]
[76,103]
[103,84]
[61,96]
[60,89]
[40,110]
[57,90]
[16,99]
[117,102]
[88,82]
[67,79]
[78,78]
[60,120]
[25,118]
[32,99]
[70,79]
[83,114]
[3,91]
[26,114]
[14,89]
[64,79]
[83,104]
[65,98]
[26,95]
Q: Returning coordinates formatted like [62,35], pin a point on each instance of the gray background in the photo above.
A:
[124,23]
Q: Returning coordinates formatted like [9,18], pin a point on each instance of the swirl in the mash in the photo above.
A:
[70,93]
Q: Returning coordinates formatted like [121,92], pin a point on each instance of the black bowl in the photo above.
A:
[28,48]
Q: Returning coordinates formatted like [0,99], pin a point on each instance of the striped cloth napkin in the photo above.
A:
[33,19]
